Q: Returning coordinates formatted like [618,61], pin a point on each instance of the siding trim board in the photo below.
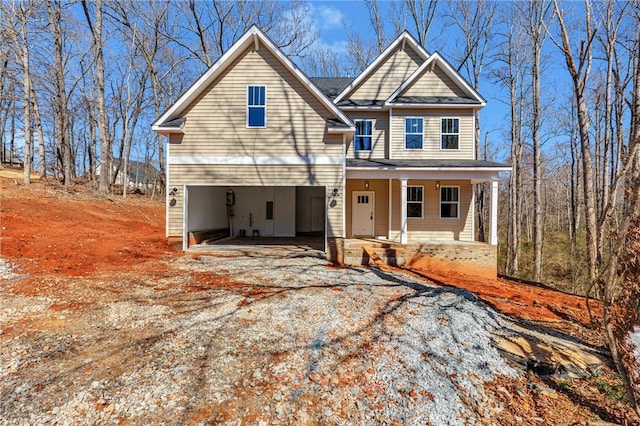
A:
[247,160]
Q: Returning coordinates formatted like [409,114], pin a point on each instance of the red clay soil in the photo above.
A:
[510,297]
[46,230]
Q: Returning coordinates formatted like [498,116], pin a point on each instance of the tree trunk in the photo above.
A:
[105,145]
[60,105]
[41,151]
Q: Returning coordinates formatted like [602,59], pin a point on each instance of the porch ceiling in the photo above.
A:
[474,170]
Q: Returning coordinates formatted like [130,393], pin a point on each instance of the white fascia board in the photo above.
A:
[166,130]
[288,63]
[253,35]
[457,78]
[364,108]
[443,106]
[245,160]
[340,130]
[413,77]
[439,169]
[196,88]
[448,70]
[406,37]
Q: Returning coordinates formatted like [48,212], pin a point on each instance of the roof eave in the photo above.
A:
[439,169]
[340,130]
[167,130]
[434,105]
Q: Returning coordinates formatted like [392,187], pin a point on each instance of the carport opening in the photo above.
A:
[256,215]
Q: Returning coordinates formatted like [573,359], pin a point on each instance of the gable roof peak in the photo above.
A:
[404,37]
[437,59]
[253,36]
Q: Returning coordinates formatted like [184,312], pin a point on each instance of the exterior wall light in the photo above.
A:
[437,185]
[366,184]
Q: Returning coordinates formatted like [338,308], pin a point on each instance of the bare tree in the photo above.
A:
[20,37]
[622,207]
[103,129]
[54,8]
[475,21]
[538,13]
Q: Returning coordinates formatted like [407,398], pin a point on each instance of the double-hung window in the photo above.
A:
[413,133]
[449,202]
[362,141]
[450,133]
[256,106]
[415,201]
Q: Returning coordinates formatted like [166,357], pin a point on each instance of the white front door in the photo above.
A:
[362,208]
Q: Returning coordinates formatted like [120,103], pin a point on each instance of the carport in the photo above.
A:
[254,214]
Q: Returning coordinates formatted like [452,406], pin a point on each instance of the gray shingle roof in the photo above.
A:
[360,103]
[430,163]
[175,123]
[331,86]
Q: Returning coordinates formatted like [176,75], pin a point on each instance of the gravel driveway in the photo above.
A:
[282,339]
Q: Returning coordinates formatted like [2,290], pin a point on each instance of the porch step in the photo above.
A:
[368,255]
[376,259]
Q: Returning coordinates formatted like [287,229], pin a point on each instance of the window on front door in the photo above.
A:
[256,106]
[415,201]
[450,133]
[413,133]
[449,202]
[363,135]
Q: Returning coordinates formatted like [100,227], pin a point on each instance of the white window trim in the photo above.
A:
[404,127]
[246,97]
[370,136]
[421,203]
[448,202]
[442,134]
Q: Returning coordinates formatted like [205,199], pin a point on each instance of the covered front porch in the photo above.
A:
[418,201]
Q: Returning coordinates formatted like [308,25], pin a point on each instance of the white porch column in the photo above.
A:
[493,232]
[403,211]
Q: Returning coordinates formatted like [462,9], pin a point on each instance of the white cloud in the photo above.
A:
[327,17]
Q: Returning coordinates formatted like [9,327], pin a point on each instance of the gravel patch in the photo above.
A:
[262,340]
[6,270]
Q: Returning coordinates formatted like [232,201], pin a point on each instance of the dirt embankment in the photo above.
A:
[46,230]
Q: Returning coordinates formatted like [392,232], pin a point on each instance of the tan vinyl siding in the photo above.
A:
[379,134]
[431,227]
[388,76]
[329,176]
[434,83]
[431,136]
[381,199]
[216,124]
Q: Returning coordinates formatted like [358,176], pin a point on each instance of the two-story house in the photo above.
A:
[255,147]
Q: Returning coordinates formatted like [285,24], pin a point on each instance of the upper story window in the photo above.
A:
[449,202]
[413,133]
[256,106]
[450,133]
[362,140]
[415,201]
